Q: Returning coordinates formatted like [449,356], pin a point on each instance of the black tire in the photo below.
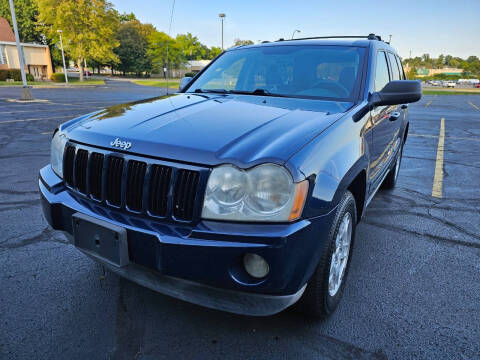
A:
[392,177]
[316,300]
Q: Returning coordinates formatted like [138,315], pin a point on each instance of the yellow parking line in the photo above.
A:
[36,119]
[438,177]
[475,106]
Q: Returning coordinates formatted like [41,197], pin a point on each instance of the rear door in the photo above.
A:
[386,122]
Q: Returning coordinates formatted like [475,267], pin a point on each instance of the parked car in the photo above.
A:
[246,197]
[450,84]
[477,85]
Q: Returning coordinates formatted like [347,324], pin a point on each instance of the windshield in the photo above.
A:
[295,71]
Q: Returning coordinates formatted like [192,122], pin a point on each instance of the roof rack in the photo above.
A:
[369,37]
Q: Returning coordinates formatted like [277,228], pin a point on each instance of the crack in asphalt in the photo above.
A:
[381,211]
[44,236]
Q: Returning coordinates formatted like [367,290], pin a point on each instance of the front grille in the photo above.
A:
[135,177]
[68,159]
[159,186]
[184,199]
[145,187]
[96,175]
[114,180]
[81,162]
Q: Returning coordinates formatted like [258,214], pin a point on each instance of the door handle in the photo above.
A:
[394,116]
[404,106]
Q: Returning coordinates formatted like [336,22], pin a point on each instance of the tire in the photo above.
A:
[392,177]
[319,300]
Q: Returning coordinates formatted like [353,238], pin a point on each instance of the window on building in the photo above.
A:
[3,55]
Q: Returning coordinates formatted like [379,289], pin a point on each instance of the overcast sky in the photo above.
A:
[422,26]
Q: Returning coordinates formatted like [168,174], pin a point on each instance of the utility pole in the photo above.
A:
[63,57]
[26,93]
[390,39]
[222,17]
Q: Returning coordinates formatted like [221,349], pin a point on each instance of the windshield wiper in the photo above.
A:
[213,91]
[261,92]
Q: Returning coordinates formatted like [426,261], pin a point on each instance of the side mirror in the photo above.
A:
[398,92]
[184,82]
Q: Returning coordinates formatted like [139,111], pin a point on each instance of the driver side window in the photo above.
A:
[381,73]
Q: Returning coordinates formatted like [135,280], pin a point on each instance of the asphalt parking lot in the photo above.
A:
[413,289]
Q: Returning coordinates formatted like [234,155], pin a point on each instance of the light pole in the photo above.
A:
[390,39]
[63,57]
[295,32]
[222,17]
[26,93]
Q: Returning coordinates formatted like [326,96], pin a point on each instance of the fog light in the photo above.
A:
[255,265]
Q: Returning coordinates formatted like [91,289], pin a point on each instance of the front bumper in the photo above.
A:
[202,264]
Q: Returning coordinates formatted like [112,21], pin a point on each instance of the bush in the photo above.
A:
[15,74]
[3,75]
[58,77]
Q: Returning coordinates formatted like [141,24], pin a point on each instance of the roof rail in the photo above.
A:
[368,37]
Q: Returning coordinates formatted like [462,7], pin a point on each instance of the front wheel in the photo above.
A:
[325,288]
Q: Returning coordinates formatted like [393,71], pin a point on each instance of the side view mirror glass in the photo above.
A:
[398,92]
[184,82]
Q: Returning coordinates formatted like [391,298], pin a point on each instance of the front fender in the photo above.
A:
[332,161]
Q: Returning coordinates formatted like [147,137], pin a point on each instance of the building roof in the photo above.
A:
[6,33]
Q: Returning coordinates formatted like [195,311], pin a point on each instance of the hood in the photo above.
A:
[209,129]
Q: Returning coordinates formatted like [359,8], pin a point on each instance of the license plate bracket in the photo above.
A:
[100,239]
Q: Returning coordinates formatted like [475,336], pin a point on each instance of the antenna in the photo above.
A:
[169,31]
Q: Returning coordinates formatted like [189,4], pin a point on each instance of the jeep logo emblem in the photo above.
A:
[125,145]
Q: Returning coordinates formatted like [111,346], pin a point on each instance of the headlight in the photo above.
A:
[56,152]
[263,193]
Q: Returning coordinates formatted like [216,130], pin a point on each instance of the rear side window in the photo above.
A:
[381,72]
[400,67]
[394,67]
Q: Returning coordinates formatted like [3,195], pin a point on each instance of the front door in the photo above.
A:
[386,121]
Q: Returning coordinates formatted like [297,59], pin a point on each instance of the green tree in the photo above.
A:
[88,26]
[132,51]
[158,52]
[238,42]
[26,12]
[214,52]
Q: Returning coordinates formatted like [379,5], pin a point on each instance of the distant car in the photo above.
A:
[87,73]
[450,84]
[477,85]
[435,83]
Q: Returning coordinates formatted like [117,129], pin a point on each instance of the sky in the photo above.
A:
[420,26]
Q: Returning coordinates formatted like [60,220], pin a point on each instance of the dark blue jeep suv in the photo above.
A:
[242,191]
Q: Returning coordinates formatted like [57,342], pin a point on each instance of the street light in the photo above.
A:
[295,32]
[390,39]
[63,57]
[222,17]
[26,93]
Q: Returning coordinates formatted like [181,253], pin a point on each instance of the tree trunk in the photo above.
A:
[80,68]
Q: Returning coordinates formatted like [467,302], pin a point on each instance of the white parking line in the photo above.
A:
[446,137]
[36,119]
[475,106]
